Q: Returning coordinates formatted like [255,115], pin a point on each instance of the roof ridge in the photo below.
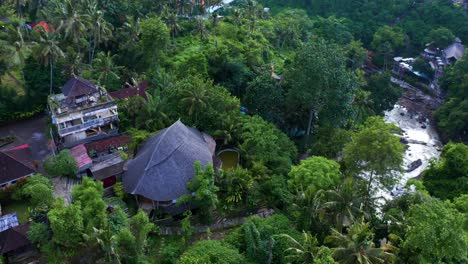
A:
[157,146]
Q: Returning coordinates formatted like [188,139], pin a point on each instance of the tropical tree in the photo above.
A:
[448,177]
[308,250]
[234,186]
[437,233]
[63,164]
[375,154]
[362,105]
[73,24]
[357,246]
[343,204]
[101,31]
[201,29]
[49,52]
[320,86]
[154,106]
[205,191]
[172,22]
[313,174]
[15,50]
[195,100]
[105,67]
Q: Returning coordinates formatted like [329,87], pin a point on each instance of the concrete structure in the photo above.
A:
[82,113]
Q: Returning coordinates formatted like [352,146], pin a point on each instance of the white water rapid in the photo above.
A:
[421,138]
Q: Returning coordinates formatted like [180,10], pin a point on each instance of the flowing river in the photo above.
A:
[421,139]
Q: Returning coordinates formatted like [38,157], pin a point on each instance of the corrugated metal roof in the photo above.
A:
[8,221]
[81,156]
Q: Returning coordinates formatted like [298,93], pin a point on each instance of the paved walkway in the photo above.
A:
[63,187]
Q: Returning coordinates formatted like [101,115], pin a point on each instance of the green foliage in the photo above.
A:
[154,39]
[433,226]
[119,190]
[93,209]
[199,103]
[263,142]
[461,203]
[63,164]
[329,141]
[387,42]
[186,226]
[357,246]
[313,174]
[321,89]
[333,29]
[211,252]
[67,226]
[140,226]
[234,186]
[307,250]
[448,178]
[257,238]
[205,191]
[452,116]
[39,234]
[384,94]
[38,190]
[264,97]
[374,149]
[127,246]
[440,37]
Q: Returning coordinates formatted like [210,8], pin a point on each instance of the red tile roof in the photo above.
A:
[42,24]
[81,156]
[103,145]
[131,91]
[16,163]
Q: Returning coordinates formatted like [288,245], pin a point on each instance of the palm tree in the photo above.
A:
[105,239]
[356,246]
[237,17]
[229,129]
[304,252]
[105,67]
[49,52]
[15,49]
[101,31]
[251,14]
[154,106]
[74,64]
[73,24]
[195,100]
[201,29]
[363,106]
[343,204]
[172,22]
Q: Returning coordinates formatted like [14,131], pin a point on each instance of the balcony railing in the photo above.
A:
[88,124]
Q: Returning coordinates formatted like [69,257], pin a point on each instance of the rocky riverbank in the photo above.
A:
[413,114]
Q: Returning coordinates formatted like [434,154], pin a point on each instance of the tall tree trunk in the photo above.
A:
[51,78]
[92,51]
[14,78]
[309,124]
[368,195]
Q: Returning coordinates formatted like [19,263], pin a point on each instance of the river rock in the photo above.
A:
[423,126]
[414,165]
[404,141]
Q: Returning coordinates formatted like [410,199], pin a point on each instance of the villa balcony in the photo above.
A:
[87,125]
